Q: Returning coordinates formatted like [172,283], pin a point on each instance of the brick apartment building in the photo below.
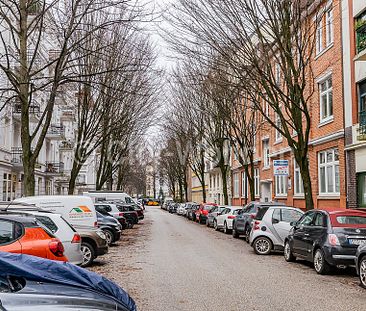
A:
[326,145]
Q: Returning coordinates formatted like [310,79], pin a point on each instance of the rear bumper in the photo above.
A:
[340,256]
[141,217]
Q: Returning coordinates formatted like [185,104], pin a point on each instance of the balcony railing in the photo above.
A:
[360,36]
[57,130]
[17,155]
[33,109]
[66,145]
[54,167]
[362,125]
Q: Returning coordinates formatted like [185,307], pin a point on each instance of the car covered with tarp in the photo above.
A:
[28,282]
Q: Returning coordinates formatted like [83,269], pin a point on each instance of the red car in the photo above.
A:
[24,235]
[203,211]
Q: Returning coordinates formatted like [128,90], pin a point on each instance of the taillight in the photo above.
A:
[231,217]
[95,224]
[256,225]
[56,247]
[76,238]
[120,214]
[333,240]
[252,216]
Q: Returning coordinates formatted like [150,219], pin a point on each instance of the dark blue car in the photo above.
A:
[29,283]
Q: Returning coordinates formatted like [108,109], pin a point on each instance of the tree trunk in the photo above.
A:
[224,184]
[73,176]
[29,180]
[203,184]
[305,174]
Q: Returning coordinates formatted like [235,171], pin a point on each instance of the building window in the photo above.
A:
[298,183]
[329,172]
[360,28]
[244,185]
[281,185]
[278,125]
[236,185]
[362,107]
[329,26]
[266,158]
[256,182]
[326,100]
[278,73]
[319,36]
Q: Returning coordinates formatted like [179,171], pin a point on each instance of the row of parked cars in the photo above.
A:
[64,228]
[329,238]
[44,239]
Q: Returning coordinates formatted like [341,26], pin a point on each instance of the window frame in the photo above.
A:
[244,185]
[256,182]
[281,189]
[319,35]
[298,182]
[329,27]
[278,122]
[329,94]
[266,153]
[236,185]
[327,165]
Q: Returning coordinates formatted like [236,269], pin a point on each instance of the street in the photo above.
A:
[169,263]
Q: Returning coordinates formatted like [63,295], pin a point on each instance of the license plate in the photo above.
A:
[356,242]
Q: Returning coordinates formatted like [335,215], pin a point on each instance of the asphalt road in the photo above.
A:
[169,263]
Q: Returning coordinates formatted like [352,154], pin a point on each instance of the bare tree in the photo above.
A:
[269,47]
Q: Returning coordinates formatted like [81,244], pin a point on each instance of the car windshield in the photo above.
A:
[208,207]
[351,220]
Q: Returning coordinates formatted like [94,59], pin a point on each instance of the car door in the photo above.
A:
[10,232]
[282,217]
[221,218]
[316,232]
[301,234]
[240,221]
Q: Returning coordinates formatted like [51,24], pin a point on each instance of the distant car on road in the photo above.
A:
[328,238]
[271,227]
[224,221]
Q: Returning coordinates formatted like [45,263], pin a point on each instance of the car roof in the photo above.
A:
[25,219]
[332,211]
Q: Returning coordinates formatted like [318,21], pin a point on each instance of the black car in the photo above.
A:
[173,208]
[128,212]
[327,238]
[242,224]
[360,262]
[110,226]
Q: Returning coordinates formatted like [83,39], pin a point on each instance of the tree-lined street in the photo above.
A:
[170,263]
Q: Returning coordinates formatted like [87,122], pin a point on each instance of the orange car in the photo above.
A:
[20,233]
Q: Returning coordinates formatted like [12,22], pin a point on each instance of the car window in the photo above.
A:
[214,210]
[236,212]
[253,209]
[277,214]
[351,220]
[262,210]
[307,219]
[289,215]
[319,220]
[7,233]
[48,222]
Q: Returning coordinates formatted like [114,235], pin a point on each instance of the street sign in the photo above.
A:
[280,168]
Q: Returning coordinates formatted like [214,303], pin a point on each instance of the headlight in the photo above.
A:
[101,235]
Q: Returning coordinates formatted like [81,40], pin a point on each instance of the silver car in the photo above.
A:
[270,228]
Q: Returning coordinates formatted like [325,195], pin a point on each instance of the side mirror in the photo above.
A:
[275,221]
[293,223]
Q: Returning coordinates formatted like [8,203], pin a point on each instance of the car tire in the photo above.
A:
[262,246]
[247,234]
[235,233]
[215,225]
[320,264]
[207,223]
[287,252]
[362,271]
[109,236]
[88,254]
[226,229]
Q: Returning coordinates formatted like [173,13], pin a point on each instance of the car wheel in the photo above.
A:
[226,229]
[362,271]
[207,223]
[235,233]
[88,254]
[247,234]
[109,236]
[262,246]
[320,264]
[215,225]
[287,253]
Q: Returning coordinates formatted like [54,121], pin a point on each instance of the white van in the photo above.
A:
[101,196]
[79,211]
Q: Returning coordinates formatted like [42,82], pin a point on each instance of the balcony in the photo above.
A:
[54,168]
[56,132]
[17,156]
[362,125]
[361,38]
[66,145]
[34,112]
[67,114]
